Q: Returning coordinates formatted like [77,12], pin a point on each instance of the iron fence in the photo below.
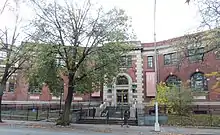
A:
[197,115]
[110,115]
[38,112]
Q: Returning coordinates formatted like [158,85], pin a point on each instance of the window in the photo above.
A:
[109,91]
[109,96]
[134,88]
[122,80]
[34,89]
[150,61]
[198,81]
[134,96]
[134,91]
[3,54]
[126,61]
[196,54]
[2,62]
[170,59]
[217,55]
[173,80]
[11,87]
[109,85]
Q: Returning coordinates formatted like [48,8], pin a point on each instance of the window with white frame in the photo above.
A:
[170,59]
[196,54]
[11,87]
[150,61]
[3,54]
[126,61]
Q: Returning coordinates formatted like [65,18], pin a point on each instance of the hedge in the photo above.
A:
[194,120]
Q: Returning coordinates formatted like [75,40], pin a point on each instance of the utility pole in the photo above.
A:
[156,125]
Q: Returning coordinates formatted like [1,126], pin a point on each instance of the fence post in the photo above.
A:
[210,114]
[27,113]
[80,116]
[48,110]
[165,109]
[10,114]
[121,113]
[107,116]
[37,113]
[136,113]
[88,114]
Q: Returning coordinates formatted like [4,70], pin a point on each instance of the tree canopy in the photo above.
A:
[177,99]
[89,42]
[13,55]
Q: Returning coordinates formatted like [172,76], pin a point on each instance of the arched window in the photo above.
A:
[198,81]
[122,80]
[173,80]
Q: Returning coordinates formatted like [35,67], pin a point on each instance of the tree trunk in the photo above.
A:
[2,87]
[101,91]
[65,119]
[0,109]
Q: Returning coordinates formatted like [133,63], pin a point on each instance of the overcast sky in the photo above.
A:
[174,17]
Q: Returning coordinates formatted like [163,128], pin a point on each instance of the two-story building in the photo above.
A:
[136,81]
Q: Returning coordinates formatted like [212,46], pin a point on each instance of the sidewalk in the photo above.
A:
[111,129]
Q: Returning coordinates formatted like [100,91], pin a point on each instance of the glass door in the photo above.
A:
[122,96]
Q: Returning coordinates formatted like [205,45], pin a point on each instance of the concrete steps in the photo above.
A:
[116,112]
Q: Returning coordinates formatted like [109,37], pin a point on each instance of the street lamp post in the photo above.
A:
[156,125]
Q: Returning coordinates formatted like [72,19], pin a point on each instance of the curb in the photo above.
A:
[197,127]
[4,124]
[202,127]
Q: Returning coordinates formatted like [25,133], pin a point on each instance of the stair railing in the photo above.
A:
[133,110]
[100,109]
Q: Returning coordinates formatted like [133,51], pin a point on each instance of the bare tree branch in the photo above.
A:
[3,7]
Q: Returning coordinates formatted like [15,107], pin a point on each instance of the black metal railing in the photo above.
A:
[38,112]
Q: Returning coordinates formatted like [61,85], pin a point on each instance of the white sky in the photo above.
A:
[174,17]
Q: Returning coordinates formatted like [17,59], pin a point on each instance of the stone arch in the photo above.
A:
[173,80]
[123,79]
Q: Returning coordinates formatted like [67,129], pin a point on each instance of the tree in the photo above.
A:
[43,68]
[5,3]
[13,56]
[88,41]
[178,99]
[216,75]
[210,17]
[198,45]
[187,1]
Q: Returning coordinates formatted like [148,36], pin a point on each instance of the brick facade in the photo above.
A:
[137,74]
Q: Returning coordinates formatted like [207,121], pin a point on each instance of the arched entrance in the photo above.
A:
[122,89]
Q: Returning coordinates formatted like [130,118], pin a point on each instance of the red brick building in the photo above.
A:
[136,81]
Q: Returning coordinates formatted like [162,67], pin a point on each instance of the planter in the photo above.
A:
[149,120]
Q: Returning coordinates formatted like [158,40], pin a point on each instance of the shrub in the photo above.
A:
[194,120]
[178,99]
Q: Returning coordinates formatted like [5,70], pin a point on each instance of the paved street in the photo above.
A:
[36,128]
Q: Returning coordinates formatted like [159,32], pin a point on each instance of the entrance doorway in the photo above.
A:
[122,96]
